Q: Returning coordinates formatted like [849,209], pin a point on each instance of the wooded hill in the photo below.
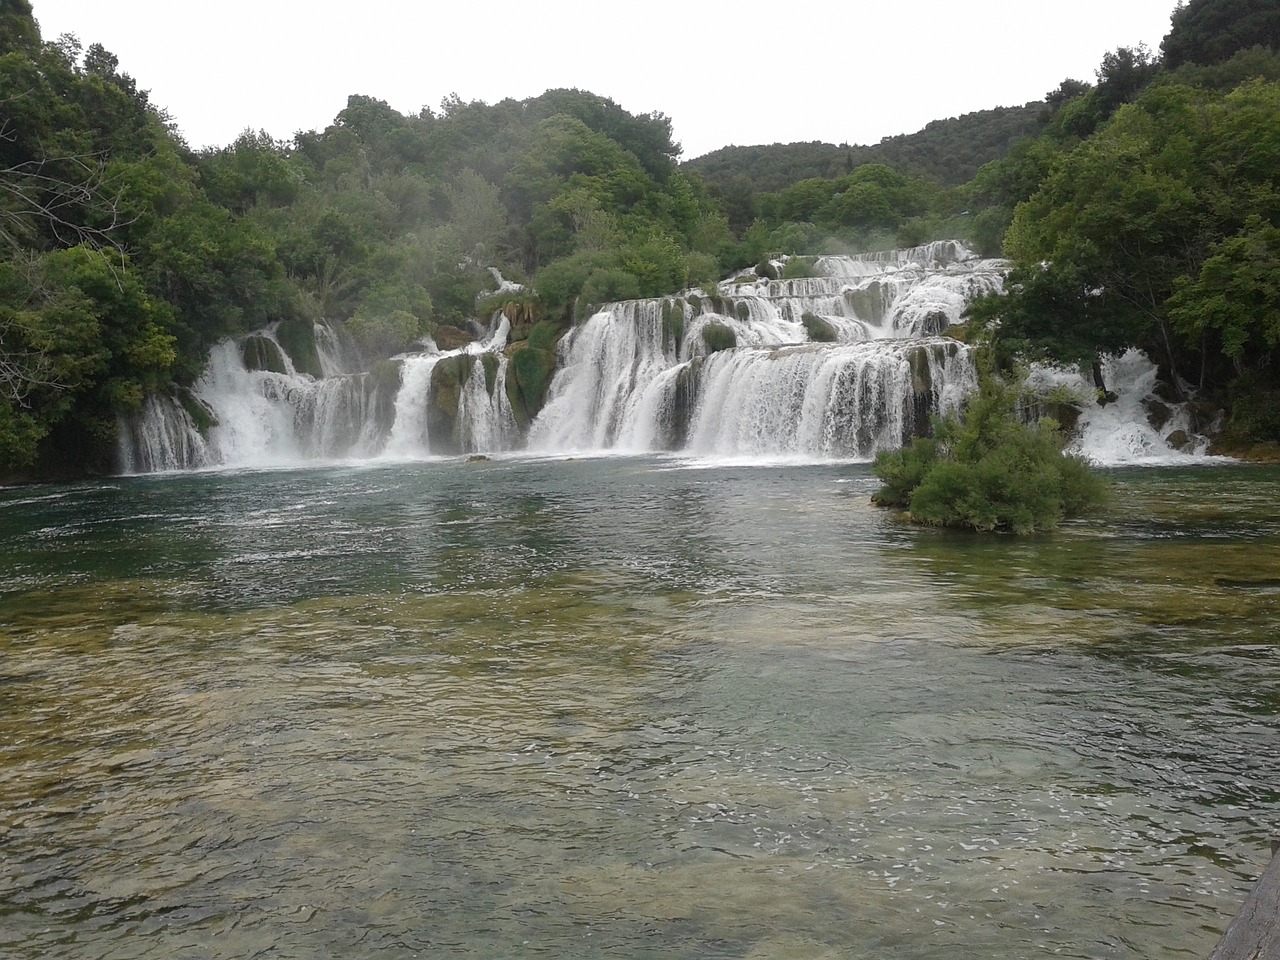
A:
[948,152]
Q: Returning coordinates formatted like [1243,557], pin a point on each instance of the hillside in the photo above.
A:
[947,151]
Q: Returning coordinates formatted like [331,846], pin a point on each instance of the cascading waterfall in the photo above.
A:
[409,427]
[1136,427]
[839,365]
[849,401]
[485,420]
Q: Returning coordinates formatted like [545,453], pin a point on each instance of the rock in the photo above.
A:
[672,325]
[934,323]
[298,338]
[819,330]
[528,377]
[447,380]
[382,381]
[451,338]
[718,336]
[522,316]
[1066,415]
[261,353]
[1157,413]
[1179,440]
[1205,417]
[1166,392]
[478,458]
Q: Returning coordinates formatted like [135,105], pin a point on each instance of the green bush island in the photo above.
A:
[988,471]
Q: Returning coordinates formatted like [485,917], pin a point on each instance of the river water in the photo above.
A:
[628,707]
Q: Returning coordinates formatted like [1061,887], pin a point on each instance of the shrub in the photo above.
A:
[384,334]
[608,285]
[798,268]
[988,471]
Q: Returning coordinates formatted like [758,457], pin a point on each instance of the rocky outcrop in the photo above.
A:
[451,338]
[262,353]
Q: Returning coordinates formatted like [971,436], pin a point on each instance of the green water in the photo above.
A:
[628,708]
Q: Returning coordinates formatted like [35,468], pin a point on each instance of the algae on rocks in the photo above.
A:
[819,330]
[444,395]
[528,378]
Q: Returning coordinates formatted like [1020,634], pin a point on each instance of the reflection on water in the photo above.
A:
[625,708]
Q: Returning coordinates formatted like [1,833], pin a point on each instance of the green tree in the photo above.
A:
[1235,298]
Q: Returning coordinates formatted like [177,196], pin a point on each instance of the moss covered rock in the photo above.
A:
[867,303]
[672,325]
[528,377]
[298,339]
[684,402]
[444,395]
[451,338]
[262,353]
[718,336]
[382,385]
[201,413]
[489,361]
[545,334]
[819,330]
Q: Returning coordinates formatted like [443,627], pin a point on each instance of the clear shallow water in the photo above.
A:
[628,707]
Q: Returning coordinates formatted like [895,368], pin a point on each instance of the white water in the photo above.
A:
[409,429]
[1122,432]
[776,392]
[638,376]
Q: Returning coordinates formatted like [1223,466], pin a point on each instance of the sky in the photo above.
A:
[737,73]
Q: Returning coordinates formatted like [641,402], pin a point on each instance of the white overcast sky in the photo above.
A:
[726,73]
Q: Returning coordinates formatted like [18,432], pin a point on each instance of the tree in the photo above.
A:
[1235,298]
[18,30]
[1159,232]
[1211,31]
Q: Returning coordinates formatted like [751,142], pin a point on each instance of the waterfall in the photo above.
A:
[409,428]
[839,365]
[163,436]
[1137,427]
[848,401]
[486,422]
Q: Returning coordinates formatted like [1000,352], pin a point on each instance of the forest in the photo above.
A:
[1137,209]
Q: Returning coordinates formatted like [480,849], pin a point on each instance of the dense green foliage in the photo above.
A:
[1159,231]
[116,272]
[1210,31]
[988,471]
[948,151]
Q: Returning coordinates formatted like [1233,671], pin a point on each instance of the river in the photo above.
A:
[628,707]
